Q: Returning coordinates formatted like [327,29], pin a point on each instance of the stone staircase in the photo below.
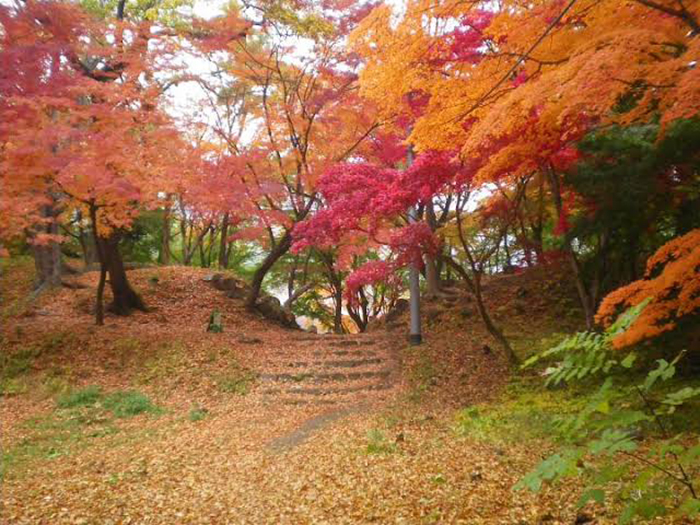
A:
[330,370]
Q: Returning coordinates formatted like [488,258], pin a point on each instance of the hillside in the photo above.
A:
[258,421]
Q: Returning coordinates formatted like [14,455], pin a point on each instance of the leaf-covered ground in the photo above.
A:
[150,419]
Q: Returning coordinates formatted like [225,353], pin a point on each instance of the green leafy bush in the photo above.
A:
[604,442]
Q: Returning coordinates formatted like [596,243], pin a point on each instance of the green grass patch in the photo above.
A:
[82,416]
[84,397]
[525,411]
[55,435]
[121,404]
[129,403]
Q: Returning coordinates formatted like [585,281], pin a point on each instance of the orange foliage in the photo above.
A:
[515,105]
[672,286]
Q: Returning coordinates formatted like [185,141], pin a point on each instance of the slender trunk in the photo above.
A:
[290,280]
[576,269]
[202,256]
[99,299]
[99,302]
[509,262]
[223,244]
[432,276]
[191,250]
[164,255]
[125,299]
[275,254]
[359,316]
[183,235]
[210,247]
[495,332]
[474,285]
[338,301]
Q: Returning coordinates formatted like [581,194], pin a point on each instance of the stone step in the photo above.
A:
[336,363]
[315,377]
[331,354]
[338,340]
[343,353]
[320,391]
[307,402]
[352,342]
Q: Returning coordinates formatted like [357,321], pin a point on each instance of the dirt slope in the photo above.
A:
[257,424]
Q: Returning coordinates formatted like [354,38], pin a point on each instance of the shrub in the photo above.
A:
[601,442]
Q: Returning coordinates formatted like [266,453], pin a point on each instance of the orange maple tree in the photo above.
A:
[81,129]
[513,85]
[671,288]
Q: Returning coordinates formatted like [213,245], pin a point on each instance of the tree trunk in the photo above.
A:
[164,254]
[338,301]
[125,299]
[87,245]
[47,255]
[295,294]
[360,320]
[495,332]
[47,261]
[189,251]
[99,303]
[432,276]
[584,296]
[474,285]
[275,254]
[223,244]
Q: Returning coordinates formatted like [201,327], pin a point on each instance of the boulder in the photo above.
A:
[217,280]
[271,308]
[236,289]
[397,311]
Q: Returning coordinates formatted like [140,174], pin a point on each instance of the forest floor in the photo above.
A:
[150,419]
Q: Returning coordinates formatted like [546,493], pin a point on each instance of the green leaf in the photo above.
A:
[628,361]
[681,396]
[596,495]
[663,371]
[554,467]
